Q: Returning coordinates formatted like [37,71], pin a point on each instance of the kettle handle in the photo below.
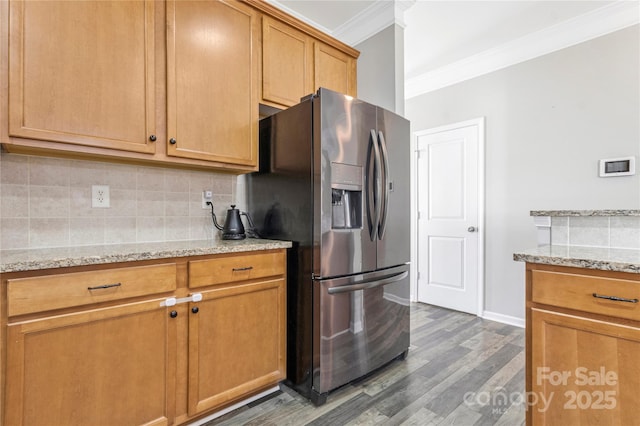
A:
[251,229]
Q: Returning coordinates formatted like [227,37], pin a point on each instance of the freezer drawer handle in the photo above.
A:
[372,283]
[98,287]
[615,298]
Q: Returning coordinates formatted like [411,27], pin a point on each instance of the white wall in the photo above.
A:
[381,69]
[548,122]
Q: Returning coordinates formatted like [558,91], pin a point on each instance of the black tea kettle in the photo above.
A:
[233,228]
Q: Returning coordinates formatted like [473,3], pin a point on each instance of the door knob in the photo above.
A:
[471,229]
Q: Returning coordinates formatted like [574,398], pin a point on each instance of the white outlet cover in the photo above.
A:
[100,196]
[207,195]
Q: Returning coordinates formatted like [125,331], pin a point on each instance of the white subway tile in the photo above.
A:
[592,231]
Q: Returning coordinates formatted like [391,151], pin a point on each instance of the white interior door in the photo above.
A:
[449,202]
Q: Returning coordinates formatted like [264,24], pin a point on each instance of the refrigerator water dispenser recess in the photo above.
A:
[346,196]
[346,209]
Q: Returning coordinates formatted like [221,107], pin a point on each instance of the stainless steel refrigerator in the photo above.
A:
[334,179]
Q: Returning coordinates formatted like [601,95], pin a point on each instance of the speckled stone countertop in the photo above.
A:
[46,258]
[573,213]
[606,259]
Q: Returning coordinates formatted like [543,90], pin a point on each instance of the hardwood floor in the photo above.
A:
[461,370]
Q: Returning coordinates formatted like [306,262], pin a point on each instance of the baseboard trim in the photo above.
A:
[234,406]
[505,319]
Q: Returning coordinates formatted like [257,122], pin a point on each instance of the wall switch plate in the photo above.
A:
[100,196]
[206,196]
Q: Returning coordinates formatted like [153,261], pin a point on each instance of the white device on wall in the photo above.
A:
[624,166]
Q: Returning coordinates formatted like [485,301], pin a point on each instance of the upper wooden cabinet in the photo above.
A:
[297,60]
[83,73]
[334,69]
[287,71]
[174,82]
[212,86]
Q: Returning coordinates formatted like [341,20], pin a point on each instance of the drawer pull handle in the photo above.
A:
[615,298]
[99,287]
[246,268]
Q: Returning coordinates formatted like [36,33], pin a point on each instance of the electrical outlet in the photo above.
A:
[206,196]
[100,196]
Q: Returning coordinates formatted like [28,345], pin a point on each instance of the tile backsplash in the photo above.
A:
[46,202]
[596,231]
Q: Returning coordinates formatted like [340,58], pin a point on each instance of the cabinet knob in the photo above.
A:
[173,314]
[195,310]
[152,138]
[172,141]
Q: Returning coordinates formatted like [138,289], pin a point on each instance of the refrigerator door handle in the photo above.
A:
[370,283]
[373,186]
[384,196]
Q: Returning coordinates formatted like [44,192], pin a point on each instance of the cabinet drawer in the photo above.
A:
[230,268]
[587,293]
[37,294]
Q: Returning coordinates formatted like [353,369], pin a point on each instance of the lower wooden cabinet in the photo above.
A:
[585,371]
[127,345]
[111,366]
[236,342]
[582,365]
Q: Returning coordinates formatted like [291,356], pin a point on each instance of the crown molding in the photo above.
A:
[372,20]
[299,16]
[593,24]
[365,24]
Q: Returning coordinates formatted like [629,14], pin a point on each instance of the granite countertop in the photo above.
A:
[574,213]
[606,259]
[60,257]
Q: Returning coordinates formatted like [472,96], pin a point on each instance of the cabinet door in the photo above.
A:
[112,366]
[212,92]
[334,70]
[83,73]
[584,371]
[236,343]
[286,63]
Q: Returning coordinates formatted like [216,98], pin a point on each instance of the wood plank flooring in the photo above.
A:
[461,370]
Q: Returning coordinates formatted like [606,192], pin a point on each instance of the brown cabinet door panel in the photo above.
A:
[236,343]
[212,92]
[583,371]
[111,366]
[83,73]
[334,70]
[286,63]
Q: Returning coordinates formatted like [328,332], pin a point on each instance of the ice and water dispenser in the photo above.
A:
[346,196]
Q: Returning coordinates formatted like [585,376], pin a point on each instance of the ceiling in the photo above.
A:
[440,33]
